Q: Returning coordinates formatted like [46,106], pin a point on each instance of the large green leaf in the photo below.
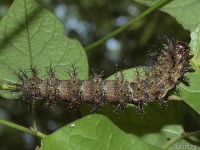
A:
[191,95]
[31,35]
[186,12]
[93,132]
[156,127]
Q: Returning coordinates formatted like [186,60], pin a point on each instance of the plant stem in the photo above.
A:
[174,97]
[34,117]
[21,128]
[179,137]
[127,25]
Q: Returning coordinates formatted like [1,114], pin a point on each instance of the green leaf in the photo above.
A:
[195,46]
[31,35]
[191,94]
[93,132]
[186,12]
[156,127]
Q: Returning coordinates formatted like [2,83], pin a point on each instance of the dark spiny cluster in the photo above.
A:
[168,71]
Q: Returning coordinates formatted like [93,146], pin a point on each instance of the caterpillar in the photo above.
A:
[166,73]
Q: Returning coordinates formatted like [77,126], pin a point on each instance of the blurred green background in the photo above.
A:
[88,21]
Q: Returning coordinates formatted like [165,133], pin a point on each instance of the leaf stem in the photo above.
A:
[21,128]
[179,137]
[34,125]
[174,97]
[127,25]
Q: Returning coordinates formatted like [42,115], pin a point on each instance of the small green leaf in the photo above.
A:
[31,35]
[93,132]
[195,46]
[186,12]
[191,94]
